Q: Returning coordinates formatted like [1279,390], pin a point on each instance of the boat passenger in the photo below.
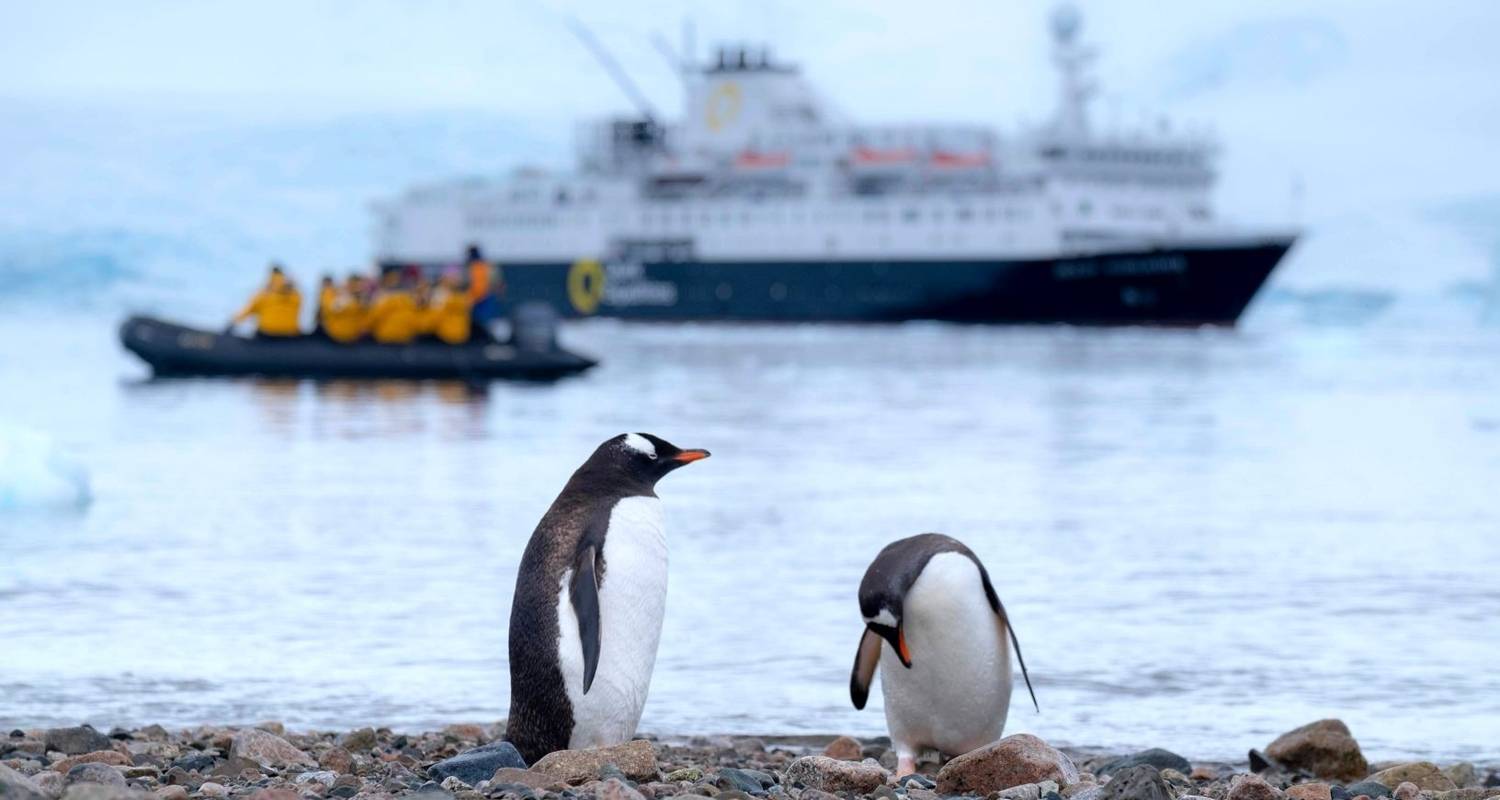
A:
[393,318]
[450,310]
[486,287]
[275,308]
[327,294]
[343,316]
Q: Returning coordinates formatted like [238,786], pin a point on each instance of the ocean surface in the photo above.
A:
[1204,538]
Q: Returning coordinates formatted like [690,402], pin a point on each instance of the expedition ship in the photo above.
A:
[763,204]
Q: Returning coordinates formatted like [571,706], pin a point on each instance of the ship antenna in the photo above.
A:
[616,72]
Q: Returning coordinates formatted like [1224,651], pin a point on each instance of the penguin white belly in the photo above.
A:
[632,600]
[955,696]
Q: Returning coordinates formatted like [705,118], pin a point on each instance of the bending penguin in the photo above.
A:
[589,598]
[937,631]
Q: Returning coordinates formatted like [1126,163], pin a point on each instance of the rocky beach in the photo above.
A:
[1318,761]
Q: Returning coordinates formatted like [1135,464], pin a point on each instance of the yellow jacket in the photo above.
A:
[394,318]
[343,317]
[275,311]
[448,314]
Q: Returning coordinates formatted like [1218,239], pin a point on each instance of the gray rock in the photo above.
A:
[1155,757]
[1324,748]
[91,772]
[748,781]
[15,786]
[358,740]
[1012,761]
[77,741]
[1371,788]
[1140,782]
[196,761]
[1092,791]
[685,774]
[1463,775]
[324,777]
[100,791]
[832,775]
[480,763]
[918,780]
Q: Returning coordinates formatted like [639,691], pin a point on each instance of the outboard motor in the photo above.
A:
[534,327]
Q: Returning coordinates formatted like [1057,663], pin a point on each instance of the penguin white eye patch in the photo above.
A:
[640,444]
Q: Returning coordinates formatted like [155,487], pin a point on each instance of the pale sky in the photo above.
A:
[1369,105]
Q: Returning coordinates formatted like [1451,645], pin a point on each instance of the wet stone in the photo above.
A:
[1155,757]
[92,772]
[1139,782]
[76,741]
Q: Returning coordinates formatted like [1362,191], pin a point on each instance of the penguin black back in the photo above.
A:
[571,536]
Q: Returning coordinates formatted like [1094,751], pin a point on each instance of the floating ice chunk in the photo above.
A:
[35,473]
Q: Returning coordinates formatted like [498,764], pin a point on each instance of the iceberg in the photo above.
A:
[36,473]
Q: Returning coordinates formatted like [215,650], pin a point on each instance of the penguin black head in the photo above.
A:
[882,593]
[642,458]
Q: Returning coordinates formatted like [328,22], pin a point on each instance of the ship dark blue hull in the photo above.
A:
[1176,286]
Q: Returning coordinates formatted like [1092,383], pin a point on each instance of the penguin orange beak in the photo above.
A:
[897,638]
[689,456]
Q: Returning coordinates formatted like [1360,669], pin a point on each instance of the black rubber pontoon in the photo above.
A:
[174,350]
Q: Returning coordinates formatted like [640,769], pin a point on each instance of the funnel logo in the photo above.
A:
[723,106]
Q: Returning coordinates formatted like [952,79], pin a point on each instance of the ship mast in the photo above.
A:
[1072,59]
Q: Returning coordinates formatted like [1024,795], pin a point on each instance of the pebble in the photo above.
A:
[268,750]
[1310,791]
[91,772]
[1406,791]
[1140,782]
[172,793]
[196,762]
[1425,774]
[616,789]
[832,775]
[688,774]
[635,758]
[745,780]
[473,766]
[15,786]
[1156,757]
[1012,761]
[1252,787]
[1324,748]
[211,789]
[112,757]
[76,741]
[845,748]
[324,777]
[1369,788]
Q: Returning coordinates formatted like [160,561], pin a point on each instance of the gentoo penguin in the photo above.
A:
[937,630]
[589,598]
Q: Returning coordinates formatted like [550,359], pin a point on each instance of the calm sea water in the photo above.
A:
[1204,537]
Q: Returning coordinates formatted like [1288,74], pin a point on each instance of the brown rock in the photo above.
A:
[52,783]
[616,789]
[526,777]
[338,760]
[636,758]
[211,789]
[845,748]
[1424,774]
[275,793]
[1204,774]
[272,727]
[1309,791]
[1012,761]
[1325,748]
[465,732]
[1462,774]
[268,750]
[832,775]
[1252,787]
[172,793]
[96,757]
[99,791]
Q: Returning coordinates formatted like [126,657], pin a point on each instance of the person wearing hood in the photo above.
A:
[276,308]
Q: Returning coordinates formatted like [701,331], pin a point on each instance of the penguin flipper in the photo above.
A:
[866,658]
[584,594]
[1003,620]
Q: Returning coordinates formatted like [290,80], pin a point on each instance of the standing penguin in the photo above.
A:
[589,598]
[946,673]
